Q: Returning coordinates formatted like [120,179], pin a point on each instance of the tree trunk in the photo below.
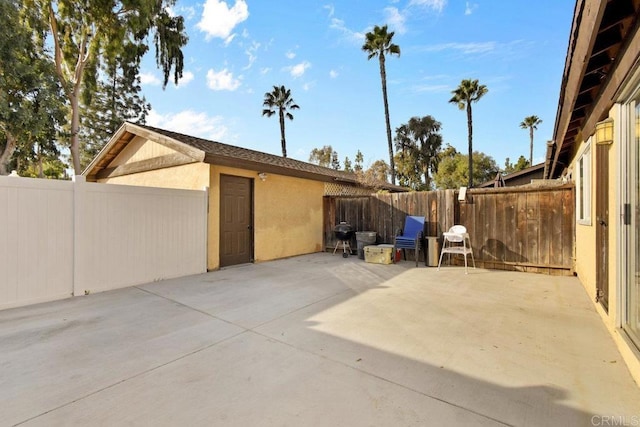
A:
[531,146]
[427,181]
[383,76]
[6,154]
[470,127]
[75,128]
[283,142]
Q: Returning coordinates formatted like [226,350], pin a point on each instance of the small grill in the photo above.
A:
[343,233]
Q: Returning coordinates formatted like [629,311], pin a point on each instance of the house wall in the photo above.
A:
[587,251]
[194,176]
[288,215]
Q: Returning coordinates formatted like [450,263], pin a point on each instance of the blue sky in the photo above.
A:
[240,49]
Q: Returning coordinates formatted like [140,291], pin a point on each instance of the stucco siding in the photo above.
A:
[287,215]
[193,176]
[585,234]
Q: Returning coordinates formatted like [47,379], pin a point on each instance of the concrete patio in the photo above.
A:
[318,340]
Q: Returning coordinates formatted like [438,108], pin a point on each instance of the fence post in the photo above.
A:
[79,232]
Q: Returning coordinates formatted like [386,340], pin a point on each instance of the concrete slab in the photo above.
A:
[317,340]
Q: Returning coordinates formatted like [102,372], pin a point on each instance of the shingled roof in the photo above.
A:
[217,153]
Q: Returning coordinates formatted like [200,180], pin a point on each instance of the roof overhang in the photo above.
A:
[603,49]
[100,166]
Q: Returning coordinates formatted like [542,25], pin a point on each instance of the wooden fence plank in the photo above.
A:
[526,229]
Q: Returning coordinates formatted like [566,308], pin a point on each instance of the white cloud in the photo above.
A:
[432,88]
[351,35]
[252,53]
[465,48]
[219,20]
[435,5]
[290,55]
[333,74]
[264,70]
[298,69]
[330,8]
[222,80]
[188,12]
[308,86]
[470,8]
[395,19]
[187,77]
[150,79]
[191,123]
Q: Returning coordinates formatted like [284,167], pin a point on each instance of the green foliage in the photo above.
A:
[357,167]
[93,33]
[419,143]
[116,100]
[408,172]
[468,92]
[378,43]
[347,165]
[378,172]
[453,171]
[521,164]
[279,100]
[323,156]
[31,105]
[531,123]
[335,163]
[50,169]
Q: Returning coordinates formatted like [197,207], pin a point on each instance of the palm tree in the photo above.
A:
[469,91]
[279,99]
[532,123]
[378,43]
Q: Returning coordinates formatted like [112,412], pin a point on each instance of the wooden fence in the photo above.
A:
[518,228]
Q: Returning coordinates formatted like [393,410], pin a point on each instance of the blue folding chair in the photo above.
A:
[411,237]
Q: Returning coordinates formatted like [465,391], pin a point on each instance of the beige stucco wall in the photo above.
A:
[287,211]
[287,215]
[194,176]
[587,251]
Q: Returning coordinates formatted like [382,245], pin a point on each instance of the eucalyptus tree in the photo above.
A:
[87,33]
[468,92]
[279,101]
[323,156]
[531,123]
[31,106]
[378,43]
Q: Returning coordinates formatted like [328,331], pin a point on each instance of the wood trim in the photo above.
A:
[622,70]
[575,68]
[194,153]
[162,162]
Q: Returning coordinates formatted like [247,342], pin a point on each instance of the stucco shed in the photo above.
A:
[261,206]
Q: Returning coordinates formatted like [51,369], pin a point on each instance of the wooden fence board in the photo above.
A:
[511,228]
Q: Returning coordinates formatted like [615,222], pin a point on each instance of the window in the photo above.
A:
[583,186]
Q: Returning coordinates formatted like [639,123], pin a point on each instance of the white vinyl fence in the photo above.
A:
[62,238]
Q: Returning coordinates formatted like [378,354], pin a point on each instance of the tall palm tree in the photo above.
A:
[279,100]
[531,122]
[378,43]
[469,91]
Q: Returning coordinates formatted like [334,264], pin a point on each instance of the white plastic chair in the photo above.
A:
[457,242]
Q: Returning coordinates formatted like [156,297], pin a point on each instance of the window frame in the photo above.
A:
[584,185]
